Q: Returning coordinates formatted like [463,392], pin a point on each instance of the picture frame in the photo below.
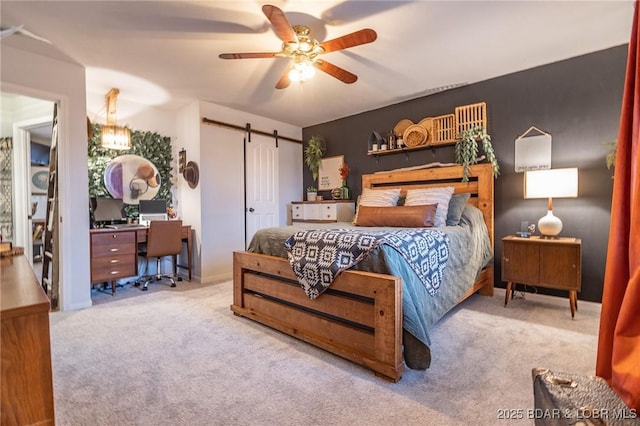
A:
[39,179]
[39,207]
[329,173]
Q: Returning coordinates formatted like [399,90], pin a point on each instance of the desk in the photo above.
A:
[114,253]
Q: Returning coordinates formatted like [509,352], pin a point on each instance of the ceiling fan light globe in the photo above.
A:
[308,73]
[294,75]
[304,46]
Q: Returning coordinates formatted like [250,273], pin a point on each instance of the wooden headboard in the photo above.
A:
[480,185]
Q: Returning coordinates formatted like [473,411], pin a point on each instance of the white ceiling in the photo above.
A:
[165,53]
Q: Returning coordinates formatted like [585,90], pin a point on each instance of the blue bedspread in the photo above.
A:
[318,256]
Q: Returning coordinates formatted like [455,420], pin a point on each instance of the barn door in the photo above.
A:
[262,184]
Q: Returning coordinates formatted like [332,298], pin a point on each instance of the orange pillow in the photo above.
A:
[401,216]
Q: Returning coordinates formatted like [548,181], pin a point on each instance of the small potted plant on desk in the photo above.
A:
[312,193]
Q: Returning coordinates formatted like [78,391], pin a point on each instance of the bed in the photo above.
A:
[373,315]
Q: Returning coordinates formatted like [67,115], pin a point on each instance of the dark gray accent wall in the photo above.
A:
[577,101]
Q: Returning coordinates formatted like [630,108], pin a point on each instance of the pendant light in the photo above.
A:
[114,136]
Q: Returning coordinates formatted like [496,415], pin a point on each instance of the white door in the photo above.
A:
[262,184]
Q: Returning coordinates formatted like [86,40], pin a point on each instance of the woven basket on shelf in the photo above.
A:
[401,126]
[427,123]
[415,135]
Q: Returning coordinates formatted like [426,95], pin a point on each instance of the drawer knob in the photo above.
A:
[114,249]
[114,236]
[114,261]
[506,259]
[114,272]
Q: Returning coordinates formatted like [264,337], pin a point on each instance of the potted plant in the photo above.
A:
[312,193]
[467,147]
[313,154]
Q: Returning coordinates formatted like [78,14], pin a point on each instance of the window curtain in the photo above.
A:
[618,357]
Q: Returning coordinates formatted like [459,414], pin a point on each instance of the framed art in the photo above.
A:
[39,179]
[329,173]
[533,152]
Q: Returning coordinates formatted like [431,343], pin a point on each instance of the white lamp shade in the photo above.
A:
[551,183]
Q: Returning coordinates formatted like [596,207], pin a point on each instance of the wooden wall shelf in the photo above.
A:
[408,149]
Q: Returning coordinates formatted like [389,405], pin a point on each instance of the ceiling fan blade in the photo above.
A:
[248,55]
[357,38]
[335,71]
[10,31]
[280,23]
[21,30]
[284,81]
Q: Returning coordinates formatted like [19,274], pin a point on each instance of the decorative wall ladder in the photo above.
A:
[50,260]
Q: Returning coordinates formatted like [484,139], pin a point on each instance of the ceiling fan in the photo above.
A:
[6,32]
[303,50]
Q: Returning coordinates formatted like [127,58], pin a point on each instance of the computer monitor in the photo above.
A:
[107,209]
[152,206]
[152,210]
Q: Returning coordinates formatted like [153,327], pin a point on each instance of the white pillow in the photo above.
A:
[377,198]
[440,196]
[380,197]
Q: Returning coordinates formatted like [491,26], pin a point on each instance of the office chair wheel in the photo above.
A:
[145,289]
[173,284]
[179,278]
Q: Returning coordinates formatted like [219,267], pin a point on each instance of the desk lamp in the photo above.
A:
[551,183]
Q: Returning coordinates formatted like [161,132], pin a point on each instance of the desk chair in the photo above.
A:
[164,238]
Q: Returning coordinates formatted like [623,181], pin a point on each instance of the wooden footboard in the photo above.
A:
[358,318]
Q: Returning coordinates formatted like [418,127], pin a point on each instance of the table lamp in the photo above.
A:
[551,183]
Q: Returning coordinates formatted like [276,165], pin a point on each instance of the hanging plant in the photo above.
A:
[467,148]
[313,154]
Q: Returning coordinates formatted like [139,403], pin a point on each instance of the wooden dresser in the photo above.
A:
[26,390]
[323,211]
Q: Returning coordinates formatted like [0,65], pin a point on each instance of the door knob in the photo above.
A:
[251,209]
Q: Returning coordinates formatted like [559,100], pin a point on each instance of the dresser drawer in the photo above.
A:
[320,211]
[297,212]
[107,268]
[109,243]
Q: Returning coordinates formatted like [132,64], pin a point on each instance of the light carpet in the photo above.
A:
[180,357]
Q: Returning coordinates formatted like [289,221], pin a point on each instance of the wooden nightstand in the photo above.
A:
[551,263]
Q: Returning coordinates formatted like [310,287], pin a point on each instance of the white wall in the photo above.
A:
[51,79]
[216,207]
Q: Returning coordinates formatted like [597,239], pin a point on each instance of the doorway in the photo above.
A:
[28,121]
